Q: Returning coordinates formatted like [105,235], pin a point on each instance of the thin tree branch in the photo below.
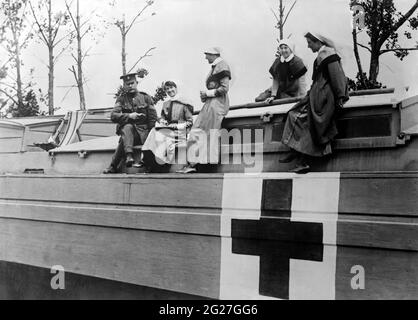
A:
[137,16]
[397,49]
[288,13]
[11,78]
[56,28]
[41,31]
[71,14]
[4,104]
[72,69]
[142,57]
[365,47]
[8,85]
[84,23]
[67,93]
[25,41]
[9,96]
[385,35]
[86,53]
[275,15]
[85,33]
[61,53]
[4,64]
[68,35]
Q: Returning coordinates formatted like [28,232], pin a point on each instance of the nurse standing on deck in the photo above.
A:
[215,108]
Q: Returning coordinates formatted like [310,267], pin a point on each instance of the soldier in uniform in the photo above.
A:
[135,116]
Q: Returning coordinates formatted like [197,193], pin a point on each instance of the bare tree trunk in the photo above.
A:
[281,26]
[124,28]
[18,61]
[51,62]
[123,52]
[357,55]
[374,67]
[374,45]
[19,80]
[124,33]
[80,80]
[51,82]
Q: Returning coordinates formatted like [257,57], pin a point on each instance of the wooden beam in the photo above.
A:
[297,99]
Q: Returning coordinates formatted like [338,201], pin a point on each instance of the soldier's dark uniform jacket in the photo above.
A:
[138,102]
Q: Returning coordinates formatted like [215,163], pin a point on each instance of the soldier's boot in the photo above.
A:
[129,160]
[139,164]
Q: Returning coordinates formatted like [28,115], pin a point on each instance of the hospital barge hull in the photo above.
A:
[220,235]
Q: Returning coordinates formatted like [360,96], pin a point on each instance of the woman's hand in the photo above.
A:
[203,96]
[270,100]
[136,116]
[340,102]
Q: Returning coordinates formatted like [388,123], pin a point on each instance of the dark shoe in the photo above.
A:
[301,169]
[129,160]
[147,170]
[110,170]
[289,158]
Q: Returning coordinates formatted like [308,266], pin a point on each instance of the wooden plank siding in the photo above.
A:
[162,260]
[374,210]
[207,235]
[167,191]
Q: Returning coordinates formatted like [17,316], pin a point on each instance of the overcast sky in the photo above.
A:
[182,29]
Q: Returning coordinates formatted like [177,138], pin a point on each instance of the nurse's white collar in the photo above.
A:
[214,63]
[290,58]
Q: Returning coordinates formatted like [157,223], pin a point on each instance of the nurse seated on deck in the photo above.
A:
[310,126]
[289,75]
[170,131]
